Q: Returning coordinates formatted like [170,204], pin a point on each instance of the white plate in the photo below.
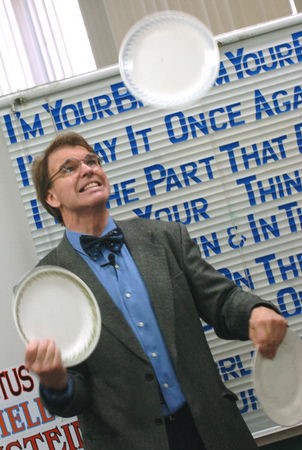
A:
[52,302]
[169,59]
[278,382]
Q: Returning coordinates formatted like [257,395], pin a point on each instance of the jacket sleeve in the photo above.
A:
[219,301]
[70,402]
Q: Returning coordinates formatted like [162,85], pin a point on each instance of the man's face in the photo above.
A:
[81,190]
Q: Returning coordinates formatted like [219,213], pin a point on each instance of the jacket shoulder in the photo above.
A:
[152,225]
[52,258]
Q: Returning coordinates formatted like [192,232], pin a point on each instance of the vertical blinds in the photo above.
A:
[41,41]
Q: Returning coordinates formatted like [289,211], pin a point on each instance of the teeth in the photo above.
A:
[90,185]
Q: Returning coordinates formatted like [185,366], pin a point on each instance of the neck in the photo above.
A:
[91,223]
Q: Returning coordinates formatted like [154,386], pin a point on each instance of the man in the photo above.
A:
[151,383]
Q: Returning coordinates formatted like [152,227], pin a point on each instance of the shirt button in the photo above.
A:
[154,355]
[141,324]
[166,385]
[127,295]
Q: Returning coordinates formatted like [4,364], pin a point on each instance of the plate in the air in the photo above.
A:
[169,59]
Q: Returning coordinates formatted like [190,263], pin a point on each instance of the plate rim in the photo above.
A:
[29,277]
[258,359]
[146,23]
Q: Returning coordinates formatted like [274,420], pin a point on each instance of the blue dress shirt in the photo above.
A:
[126,287]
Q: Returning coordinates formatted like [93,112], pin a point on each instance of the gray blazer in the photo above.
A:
[116,394]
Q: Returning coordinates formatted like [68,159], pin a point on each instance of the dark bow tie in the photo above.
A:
[93,245]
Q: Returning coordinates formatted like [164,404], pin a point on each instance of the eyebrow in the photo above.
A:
[77,159]
[66,161]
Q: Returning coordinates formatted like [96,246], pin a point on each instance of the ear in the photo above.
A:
[51,199]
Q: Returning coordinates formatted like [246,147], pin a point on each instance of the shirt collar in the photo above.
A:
[74,237]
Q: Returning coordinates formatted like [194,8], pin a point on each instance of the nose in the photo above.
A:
[85,168]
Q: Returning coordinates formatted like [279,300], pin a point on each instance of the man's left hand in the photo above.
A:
[267,330]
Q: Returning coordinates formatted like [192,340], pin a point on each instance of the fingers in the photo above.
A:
[43,358]
[267,337]
[268,350]
[41,355]
[267,330]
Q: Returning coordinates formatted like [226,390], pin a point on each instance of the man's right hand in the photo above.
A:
[43,357]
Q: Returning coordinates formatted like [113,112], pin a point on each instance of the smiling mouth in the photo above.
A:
[91,185]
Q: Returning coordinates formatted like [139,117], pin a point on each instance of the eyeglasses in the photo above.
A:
[71,165]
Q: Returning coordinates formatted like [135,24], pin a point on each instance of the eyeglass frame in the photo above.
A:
[98,160]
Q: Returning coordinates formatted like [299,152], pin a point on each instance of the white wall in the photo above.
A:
[17,256]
